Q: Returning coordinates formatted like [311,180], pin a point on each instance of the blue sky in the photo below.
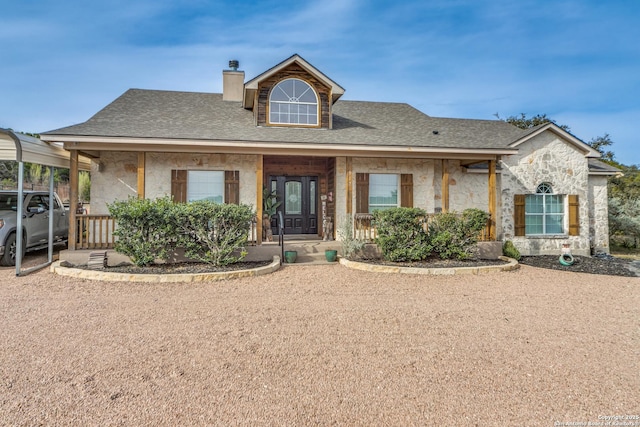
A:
[578,61]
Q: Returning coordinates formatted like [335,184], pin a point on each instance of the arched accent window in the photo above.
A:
[544,211]
[293,102]
[544,188]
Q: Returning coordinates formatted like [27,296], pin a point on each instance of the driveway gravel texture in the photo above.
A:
[321,345]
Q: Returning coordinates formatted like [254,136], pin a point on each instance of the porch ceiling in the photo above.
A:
[94,145]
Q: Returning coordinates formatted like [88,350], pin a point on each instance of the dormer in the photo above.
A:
[292,94]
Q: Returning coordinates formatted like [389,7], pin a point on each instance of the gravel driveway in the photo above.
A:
[321,345]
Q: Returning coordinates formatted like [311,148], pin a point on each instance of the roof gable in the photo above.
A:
[252,85]
[586,149]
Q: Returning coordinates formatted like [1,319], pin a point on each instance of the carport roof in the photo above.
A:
[24,148]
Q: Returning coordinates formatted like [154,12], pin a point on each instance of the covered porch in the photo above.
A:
[333,187]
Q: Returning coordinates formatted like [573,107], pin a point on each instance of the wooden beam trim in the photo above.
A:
[73,199]
[445,185]
[259,185]
[141,174]
[493,200]
[349,176]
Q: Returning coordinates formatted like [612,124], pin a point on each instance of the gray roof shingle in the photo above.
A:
[205,116]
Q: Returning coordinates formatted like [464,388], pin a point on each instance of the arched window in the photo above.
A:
[544,211]
[293,102]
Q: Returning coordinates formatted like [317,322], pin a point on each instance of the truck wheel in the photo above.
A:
[10,250]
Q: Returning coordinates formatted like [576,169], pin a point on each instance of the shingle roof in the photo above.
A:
[597,166]
[205,116]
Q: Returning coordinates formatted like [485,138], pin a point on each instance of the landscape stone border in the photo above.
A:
[109,276]
[511,265]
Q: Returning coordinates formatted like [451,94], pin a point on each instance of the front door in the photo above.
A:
[298,195]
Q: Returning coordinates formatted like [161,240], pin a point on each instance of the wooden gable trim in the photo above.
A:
[261,110]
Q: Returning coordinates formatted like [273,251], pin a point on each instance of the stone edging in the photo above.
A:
[162,278]
[512,265]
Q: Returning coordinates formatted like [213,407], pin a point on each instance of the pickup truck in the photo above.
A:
[35,223]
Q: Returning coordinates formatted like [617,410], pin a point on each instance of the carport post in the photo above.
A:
[19,209]
[51,213]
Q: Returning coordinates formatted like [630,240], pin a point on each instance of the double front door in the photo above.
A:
[299,197]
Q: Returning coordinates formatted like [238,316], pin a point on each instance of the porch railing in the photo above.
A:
[364,228]
[95,231]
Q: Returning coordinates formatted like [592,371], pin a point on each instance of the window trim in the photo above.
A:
[385,206]
[544,190]
[220,176]
[317,104]
[231,183]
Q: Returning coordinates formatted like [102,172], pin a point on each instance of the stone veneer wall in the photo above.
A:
[118,180]
[422,170]
[159,165]
[599,213]
[467,190]
[546,158]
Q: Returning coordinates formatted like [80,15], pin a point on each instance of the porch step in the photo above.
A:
[311,251]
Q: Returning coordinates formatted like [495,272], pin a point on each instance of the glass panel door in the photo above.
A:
[299,197]
[293,198]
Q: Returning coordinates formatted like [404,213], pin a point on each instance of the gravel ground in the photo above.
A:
[321,345]
[607,265]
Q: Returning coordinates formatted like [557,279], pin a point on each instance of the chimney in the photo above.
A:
[233,82]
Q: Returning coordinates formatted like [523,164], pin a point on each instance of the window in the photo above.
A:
[544,211]
[293,102]
[383,191]
[205,185]
[219,186]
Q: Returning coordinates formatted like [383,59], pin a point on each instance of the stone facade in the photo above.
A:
[423,180]
[599,214]
[117,180]
[546,158]
[113,177]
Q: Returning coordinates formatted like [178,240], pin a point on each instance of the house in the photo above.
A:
[288,130]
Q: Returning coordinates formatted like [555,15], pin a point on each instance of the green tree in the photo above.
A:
[84,186]
[601,143]
[524,122]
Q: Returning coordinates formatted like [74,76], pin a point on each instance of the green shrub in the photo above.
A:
[509,250]
[146,229]
[213,233]
[351,246]
[453,236]
[401,236]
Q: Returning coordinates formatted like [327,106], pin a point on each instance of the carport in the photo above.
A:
[22,148]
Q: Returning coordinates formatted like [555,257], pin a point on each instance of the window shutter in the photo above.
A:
[406,190]
[362,192]
[179,185]
[518,214]
[574,218]
[232,187]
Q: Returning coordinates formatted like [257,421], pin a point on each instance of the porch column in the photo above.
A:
[259,185]
[445,185]
[349,185]
[141,167]
[73,199]
[493,200]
